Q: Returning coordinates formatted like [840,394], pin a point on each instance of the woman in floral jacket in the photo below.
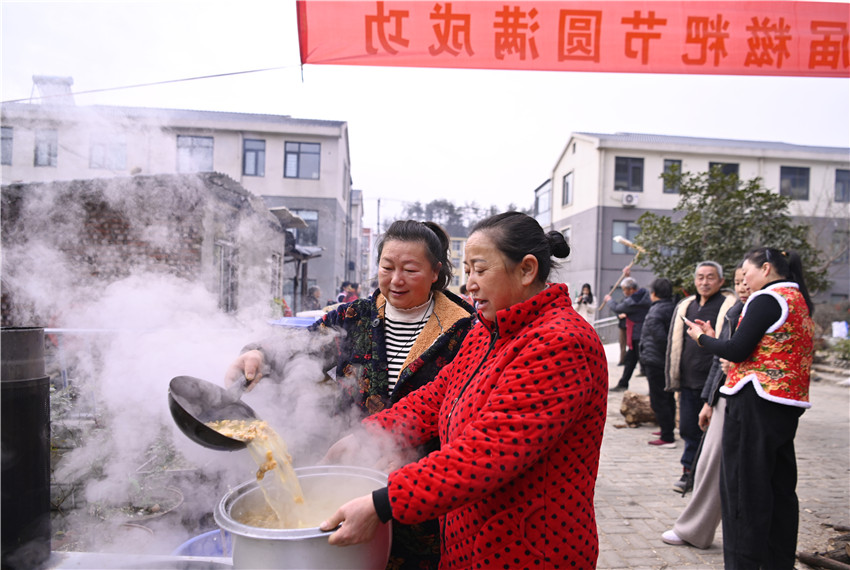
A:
[766,391]
[519,412]
[394,342]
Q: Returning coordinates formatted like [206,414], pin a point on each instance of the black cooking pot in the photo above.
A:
[194,402]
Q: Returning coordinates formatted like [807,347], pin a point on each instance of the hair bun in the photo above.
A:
[558,244]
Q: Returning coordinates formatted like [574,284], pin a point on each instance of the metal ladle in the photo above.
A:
[194,402]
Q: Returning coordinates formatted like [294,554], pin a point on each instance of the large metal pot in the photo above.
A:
[304,548]
[25,415]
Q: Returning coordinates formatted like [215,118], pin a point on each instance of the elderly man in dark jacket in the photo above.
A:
[653,351]
[634,306]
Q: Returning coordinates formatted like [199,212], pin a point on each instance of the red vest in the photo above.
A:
[779,367]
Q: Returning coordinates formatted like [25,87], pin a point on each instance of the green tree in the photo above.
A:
[720,218]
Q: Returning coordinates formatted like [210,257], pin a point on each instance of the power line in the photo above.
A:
[152,84]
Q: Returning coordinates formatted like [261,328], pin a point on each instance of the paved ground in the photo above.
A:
[635,502]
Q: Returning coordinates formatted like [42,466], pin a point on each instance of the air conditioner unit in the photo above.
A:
[630,199]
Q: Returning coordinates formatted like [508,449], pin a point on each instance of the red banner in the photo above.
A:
[720,38]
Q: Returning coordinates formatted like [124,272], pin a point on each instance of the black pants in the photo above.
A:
[690,404]
[758,481]
[629,365]
[663,403]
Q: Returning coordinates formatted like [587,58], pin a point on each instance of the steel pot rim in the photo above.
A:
[227,522]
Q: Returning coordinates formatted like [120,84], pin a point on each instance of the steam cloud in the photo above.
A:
[123,341]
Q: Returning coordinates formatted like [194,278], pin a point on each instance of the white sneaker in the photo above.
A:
[671,537]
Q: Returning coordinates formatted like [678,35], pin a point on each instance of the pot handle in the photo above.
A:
[234,393]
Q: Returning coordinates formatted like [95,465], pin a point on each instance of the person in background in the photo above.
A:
[698,523]
[687,365]
[394,342]
[351,292]
[520,413]
[633,309]
[311,301]
[343,291]
[585,305]
[653,350]
[766,392]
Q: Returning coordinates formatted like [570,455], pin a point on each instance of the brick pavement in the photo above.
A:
[635,502]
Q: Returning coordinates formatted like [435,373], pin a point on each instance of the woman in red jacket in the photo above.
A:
[519,413]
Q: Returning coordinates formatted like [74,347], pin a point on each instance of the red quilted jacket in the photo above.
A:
[520,413]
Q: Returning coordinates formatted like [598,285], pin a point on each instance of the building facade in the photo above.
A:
[602,183]
[300,164]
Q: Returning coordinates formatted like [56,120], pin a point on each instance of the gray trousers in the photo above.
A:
[701,517]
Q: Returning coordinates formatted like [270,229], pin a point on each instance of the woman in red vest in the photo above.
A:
[766,392]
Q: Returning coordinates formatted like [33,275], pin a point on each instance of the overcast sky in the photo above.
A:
[415,134]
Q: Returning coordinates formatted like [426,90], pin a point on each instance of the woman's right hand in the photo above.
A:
[249,364]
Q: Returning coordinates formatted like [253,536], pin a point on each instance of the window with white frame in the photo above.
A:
[842,185]
[301,160]
[6,148]
[108,153]
[254,157]
[567,189]
[567,232]
[628,230]
[628,174]
[46,147]
[194,154]
[794,182]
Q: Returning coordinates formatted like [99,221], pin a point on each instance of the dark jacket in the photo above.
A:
[635,306]
[653,339]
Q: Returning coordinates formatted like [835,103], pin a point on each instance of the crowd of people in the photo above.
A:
[496,399]
[738,364]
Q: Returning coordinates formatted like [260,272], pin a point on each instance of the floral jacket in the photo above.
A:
[361,354]
[520,413]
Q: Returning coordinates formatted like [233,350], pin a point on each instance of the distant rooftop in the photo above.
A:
[650,139]
[170,113]
[53,90]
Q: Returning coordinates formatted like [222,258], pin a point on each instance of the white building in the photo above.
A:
[602,183]
[302,165]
